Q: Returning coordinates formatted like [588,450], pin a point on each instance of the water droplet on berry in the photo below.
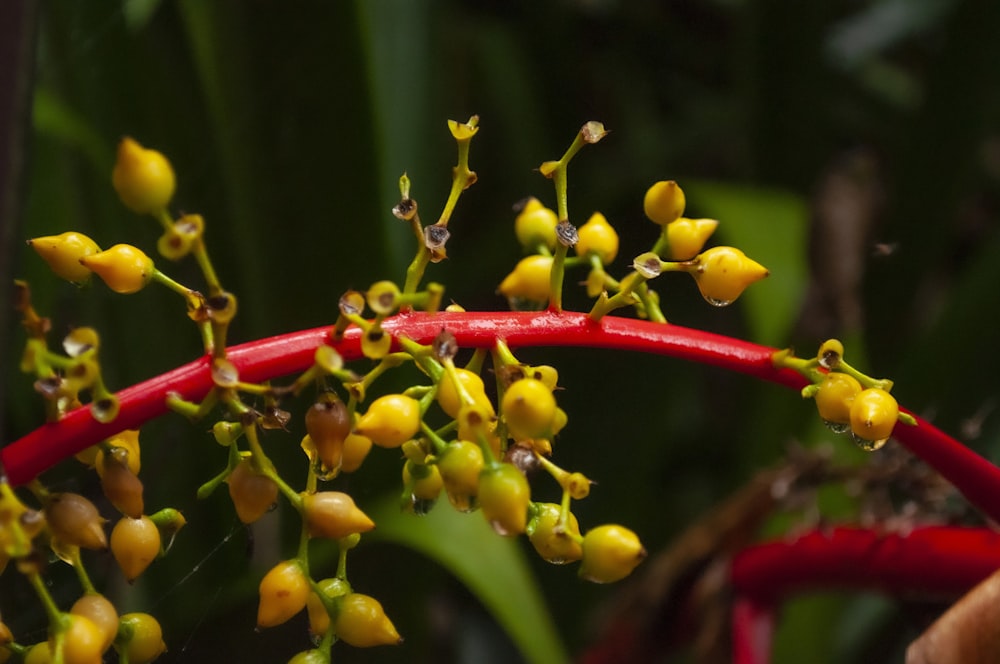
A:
[868,445]
[717,302]
[837,427]
[421,506]
[499,529]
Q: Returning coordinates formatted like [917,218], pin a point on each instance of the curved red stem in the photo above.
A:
[270,358]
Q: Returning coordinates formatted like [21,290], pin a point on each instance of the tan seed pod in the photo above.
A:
[74,520]
[253,494]
[121,486]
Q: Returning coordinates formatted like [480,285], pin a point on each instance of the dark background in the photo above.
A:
[851,146]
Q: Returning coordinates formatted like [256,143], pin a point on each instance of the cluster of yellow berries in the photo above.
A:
[847,400]
[721,273]
[476,450]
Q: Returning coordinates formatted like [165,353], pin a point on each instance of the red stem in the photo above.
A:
[753,631]
[266,359]
[933,561]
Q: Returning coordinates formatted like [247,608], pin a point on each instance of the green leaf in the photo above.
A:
[770,227]
[492,567]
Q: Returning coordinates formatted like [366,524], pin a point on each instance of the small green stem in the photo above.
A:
[207,269]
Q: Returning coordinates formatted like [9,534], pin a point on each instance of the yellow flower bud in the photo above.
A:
[686,236]
[361,622]
[664,202]
[723,273]
[63,253]
[530,280]
[597,237]
[610,553]
[503,496]
[333,514]
[529,409]
[447,394]
[124,268]
[555,543]
[536,225]
[143,178]
[146,641]
[873,415]
[283,592]
[391,420]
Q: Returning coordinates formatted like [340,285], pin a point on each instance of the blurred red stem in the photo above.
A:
[266,359]
[753,631]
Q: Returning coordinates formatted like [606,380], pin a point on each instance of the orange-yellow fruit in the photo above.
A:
[283,593]
[143,178]
[253,494]
[135,543]
[356,449]
[100,611]
[63,253]
[333,514]
[124,268]
[610,553]
[362,622]
[82,642]
[391,420]
[146,643]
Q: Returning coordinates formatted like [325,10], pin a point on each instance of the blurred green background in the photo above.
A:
[851,146]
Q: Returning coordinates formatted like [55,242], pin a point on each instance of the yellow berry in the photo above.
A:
[873,415]
[82,641]
[74,520]
[423,481]
[529,409]
[143,178]
[310,657]
[530,280]
[664,202]
[135,543]
[535,225]
[100,611]
[146,641]
[124,268]
[356,449]
[555,543]
[319,618]
[597,237]
[362,623]
[333,514]
[723,273]
[834,397]
[610,553]
[283,593]
[63,253]
[253,494]
[503,496]
[686,237]
[460,465]
[391,420]
[447,394]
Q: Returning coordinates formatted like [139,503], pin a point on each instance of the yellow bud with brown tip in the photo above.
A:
[124,268]
[686,237]
[664,202]
[283,593]
[361,622]
[63,253]
[723,273]
[333,514]
[597,237]
[143,178]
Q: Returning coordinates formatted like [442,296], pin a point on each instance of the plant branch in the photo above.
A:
[266,359]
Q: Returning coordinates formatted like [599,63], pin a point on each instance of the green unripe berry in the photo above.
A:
[460,465]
